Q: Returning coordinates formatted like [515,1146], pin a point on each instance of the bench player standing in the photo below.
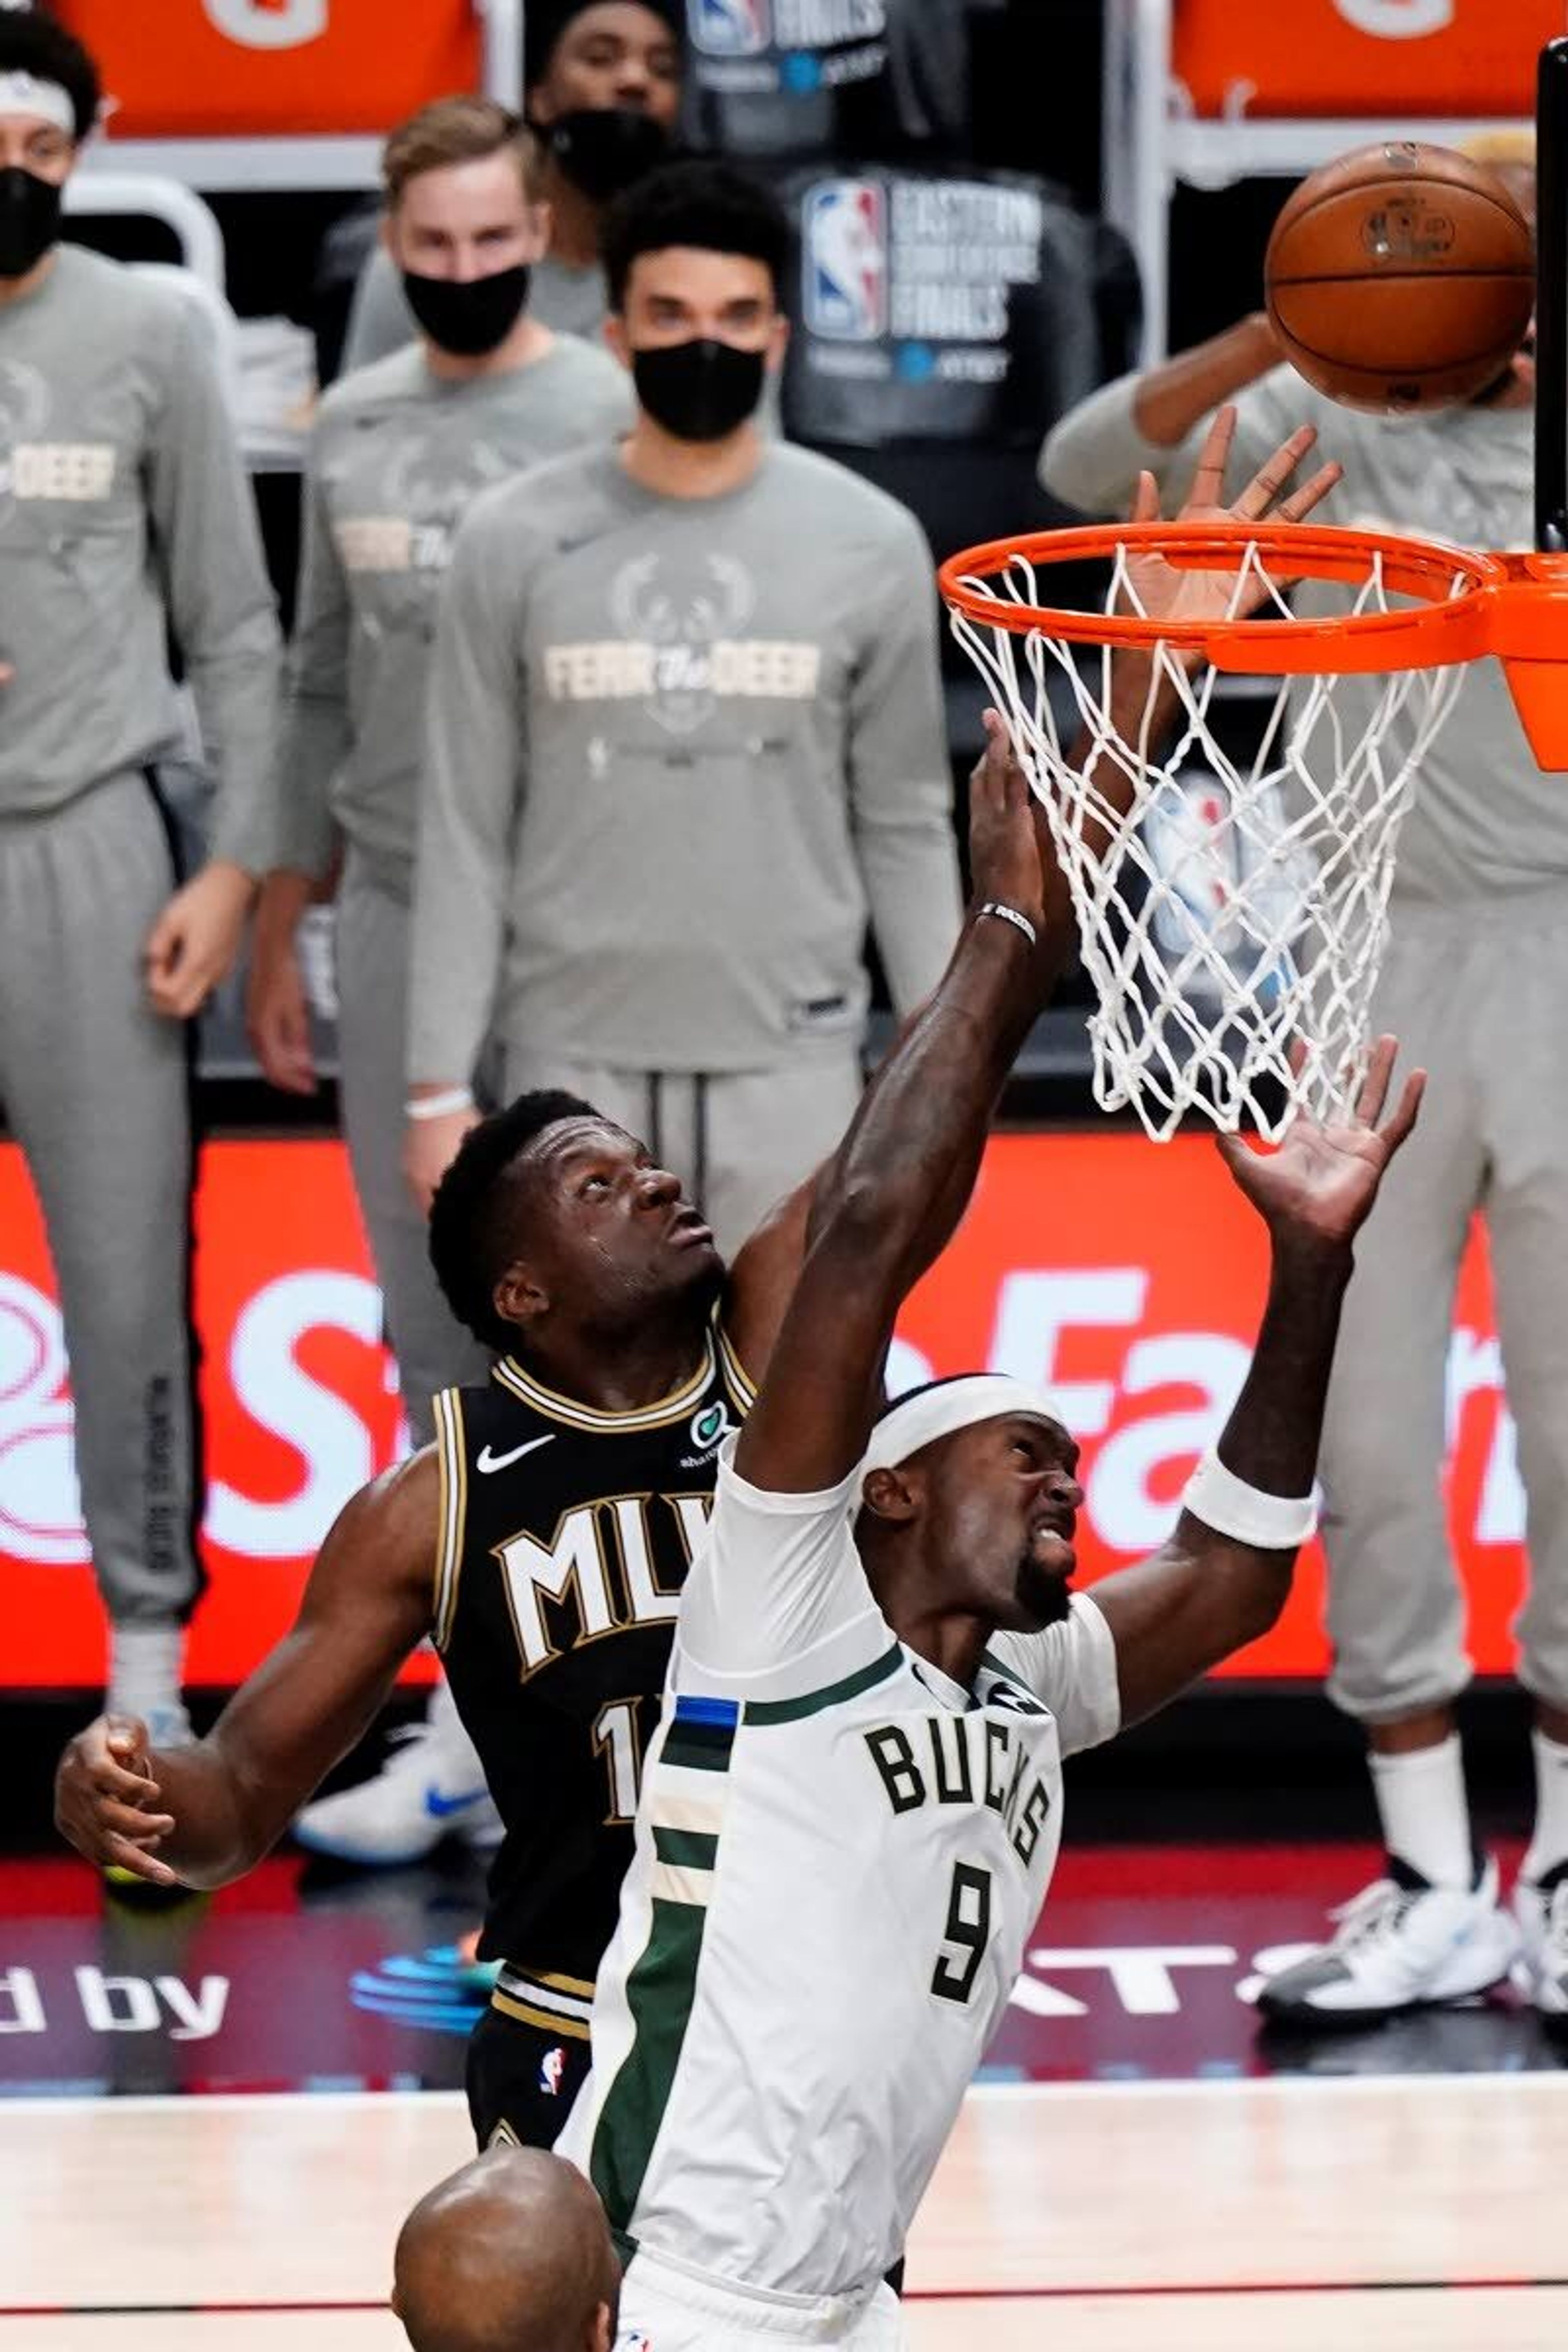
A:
[1473,981]
[124,517]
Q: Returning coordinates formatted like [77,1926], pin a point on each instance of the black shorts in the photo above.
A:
[521,2080]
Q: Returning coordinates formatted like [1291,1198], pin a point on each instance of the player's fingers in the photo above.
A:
[1312,493]
[1405,1112]
[107,1780]
[130,1821]
[1373,1091]
[1208,479]
[1145,501]
[1274,474]
[124,1855]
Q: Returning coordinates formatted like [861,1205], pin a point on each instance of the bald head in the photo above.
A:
[511,2255]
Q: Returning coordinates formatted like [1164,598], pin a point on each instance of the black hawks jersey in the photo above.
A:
[566,1534]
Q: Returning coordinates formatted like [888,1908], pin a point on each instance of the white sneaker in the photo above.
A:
[1541,1909]
[429,1789]
[1401,1943]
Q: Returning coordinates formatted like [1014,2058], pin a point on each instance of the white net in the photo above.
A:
[1233,920]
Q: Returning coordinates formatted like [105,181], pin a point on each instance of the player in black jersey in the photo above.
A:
[543,1540]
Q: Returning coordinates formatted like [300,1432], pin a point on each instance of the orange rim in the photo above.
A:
[1453,623]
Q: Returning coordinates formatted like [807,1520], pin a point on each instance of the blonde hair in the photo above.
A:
[458,130]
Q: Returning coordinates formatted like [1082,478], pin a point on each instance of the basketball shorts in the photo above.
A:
[521,2080]
[666,2307]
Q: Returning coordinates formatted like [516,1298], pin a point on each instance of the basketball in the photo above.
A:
[1401,276]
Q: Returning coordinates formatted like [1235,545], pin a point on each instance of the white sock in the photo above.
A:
[145,1664]
[1421,1806]
[1549,1845]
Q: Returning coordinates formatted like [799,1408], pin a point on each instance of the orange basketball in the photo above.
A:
[1401,276]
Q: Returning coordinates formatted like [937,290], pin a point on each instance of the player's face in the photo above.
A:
[617,54]
[466,221]
[27,143]
[685,294]
[609,1234]
[1003,1500]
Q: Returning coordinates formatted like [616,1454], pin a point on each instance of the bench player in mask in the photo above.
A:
[400,451]
[125,517]
[603,93]
[686,732]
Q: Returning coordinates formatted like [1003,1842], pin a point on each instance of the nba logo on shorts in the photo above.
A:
[729,29]
[551,2068]
[846,261]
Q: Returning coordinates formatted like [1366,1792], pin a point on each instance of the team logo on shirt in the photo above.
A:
[31,468]
[680,645]
[422,507]
[845,260]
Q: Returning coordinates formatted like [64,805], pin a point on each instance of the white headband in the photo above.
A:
[24,93]
[952,1405]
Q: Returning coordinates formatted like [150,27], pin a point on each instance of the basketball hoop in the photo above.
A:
[1233,917]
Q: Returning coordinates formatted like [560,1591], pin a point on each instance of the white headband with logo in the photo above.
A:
[24,93]
[952,1405]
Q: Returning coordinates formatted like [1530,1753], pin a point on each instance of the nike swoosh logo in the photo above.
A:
[485,1461]
[441,1809]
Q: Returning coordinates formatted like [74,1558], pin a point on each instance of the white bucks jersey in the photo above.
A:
[839,1856]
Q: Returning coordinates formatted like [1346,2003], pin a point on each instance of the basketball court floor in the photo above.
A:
[215,2118]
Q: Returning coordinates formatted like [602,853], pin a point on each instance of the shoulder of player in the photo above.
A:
[382,383]
[149,309]
[590,363]
[524,518]
[384,1541]
[839,504]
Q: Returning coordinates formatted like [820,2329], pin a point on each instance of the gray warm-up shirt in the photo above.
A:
[398,456]
[564,295]
[1484,821]
[678,747]
[124,509]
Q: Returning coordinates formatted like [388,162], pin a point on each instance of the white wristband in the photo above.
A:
[1232,1508]
[441,1106]
[1011,915]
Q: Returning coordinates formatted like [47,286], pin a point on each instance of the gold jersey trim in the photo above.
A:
[511,1376]
[568,2028]
[448,1413]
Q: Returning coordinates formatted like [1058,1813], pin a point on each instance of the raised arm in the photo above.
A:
[204,1814]
[1212,1589]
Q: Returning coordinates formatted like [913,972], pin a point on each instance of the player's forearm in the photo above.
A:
[220,1828]
[1174,397]
[1273,1437]
[907,1165]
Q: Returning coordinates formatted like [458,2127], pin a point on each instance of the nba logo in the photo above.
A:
[551,2068]
[846,261]
[729,29]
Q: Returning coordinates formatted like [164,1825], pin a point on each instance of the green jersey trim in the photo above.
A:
[658,1994]
[765,1711]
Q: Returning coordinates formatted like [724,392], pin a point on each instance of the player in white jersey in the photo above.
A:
[850,1813]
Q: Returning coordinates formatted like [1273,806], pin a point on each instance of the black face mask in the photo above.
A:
[29,219]
[603,149]
[698,391]
[468,318]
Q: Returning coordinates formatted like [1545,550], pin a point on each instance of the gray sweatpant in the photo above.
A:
[739,1141]
[95,1089]
[432,1348]
[1477,995]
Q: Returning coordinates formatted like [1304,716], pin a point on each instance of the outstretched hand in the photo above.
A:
[1004,839]
[1170,592]
[1319,1186]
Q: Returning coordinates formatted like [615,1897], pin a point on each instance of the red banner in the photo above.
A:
[1382,58]
[1125,1276]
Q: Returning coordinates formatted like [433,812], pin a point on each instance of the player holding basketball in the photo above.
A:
[850,1814]
[545,1540]
[1474,983]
